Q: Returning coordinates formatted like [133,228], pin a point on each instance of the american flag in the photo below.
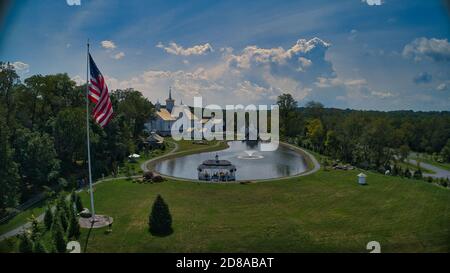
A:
[99,95]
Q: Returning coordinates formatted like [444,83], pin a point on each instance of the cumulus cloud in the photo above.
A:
[251,75]
[423,77]
[256,75]
[175,49]
[108,45]
[118,56]
[432,49]
[304,61]
[21,67]
[78,80]
[373,2]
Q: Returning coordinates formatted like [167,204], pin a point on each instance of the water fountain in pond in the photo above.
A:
[250,154]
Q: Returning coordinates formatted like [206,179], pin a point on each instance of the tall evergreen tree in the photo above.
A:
[78,204]
[58,239]
[48,218]
[62,219]
[74,227]
[160,220]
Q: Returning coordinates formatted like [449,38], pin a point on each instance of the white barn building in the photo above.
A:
[166,115]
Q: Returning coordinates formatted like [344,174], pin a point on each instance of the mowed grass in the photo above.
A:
[323,212]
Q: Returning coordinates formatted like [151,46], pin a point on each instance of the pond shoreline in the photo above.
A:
[312,165]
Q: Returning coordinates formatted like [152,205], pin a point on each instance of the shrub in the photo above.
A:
[407,173]
[160,220]
[148,176]
[158,179]
[418,174]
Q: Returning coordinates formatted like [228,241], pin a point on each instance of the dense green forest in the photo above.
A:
[43,134]
[367,139]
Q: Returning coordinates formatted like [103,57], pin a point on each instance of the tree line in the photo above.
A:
[43,134]
[367,139]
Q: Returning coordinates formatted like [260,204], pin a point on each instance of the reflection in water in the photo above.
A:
[280,163]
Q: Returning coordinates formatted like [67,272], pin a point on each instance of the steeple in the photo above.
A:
[170,103]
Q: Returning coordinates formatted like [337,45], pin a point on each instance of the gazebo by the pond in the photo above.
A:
[216,170]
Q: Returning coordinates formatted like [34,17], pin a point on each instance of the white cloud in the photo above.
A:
[175,49]
[443,86]
[108,45]
[118,56]
[333,82]
[432,49]
[258,75]
[78,80]
[373,2]
[251,75]
[21,67]
[382,94]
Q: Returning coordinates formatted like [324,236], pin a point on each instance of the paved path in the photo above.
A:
[438,172]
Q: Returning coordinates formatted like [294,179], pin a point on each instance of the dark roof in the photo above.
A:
[216,163]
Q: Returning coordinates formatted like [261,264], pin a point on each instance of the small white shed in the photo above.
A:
[362,179]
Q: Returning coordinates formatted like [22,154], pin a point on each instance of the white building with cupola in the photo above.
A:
[166,115]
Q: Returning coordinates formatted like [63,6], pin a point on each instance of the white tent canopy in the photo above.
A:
[134,156]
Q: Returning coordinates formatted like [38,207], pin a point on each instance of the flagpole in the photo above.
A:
[87,133]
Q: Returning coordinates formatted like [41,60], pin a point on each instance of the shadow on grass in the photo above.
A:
[87,238]
[161,234]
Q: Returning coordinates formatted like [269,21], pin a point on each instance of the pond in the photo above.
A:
[250,162]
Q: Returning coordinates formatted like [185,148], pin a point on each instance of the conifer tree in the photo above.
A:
[48,218]
[58,239]
[160,220]
[74,227]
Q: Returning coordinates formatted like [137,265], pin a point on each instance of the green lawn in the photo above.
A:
[326,211]
[323,212]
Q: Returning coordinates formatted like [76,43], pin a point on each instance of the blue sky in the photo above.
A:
[383,55]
